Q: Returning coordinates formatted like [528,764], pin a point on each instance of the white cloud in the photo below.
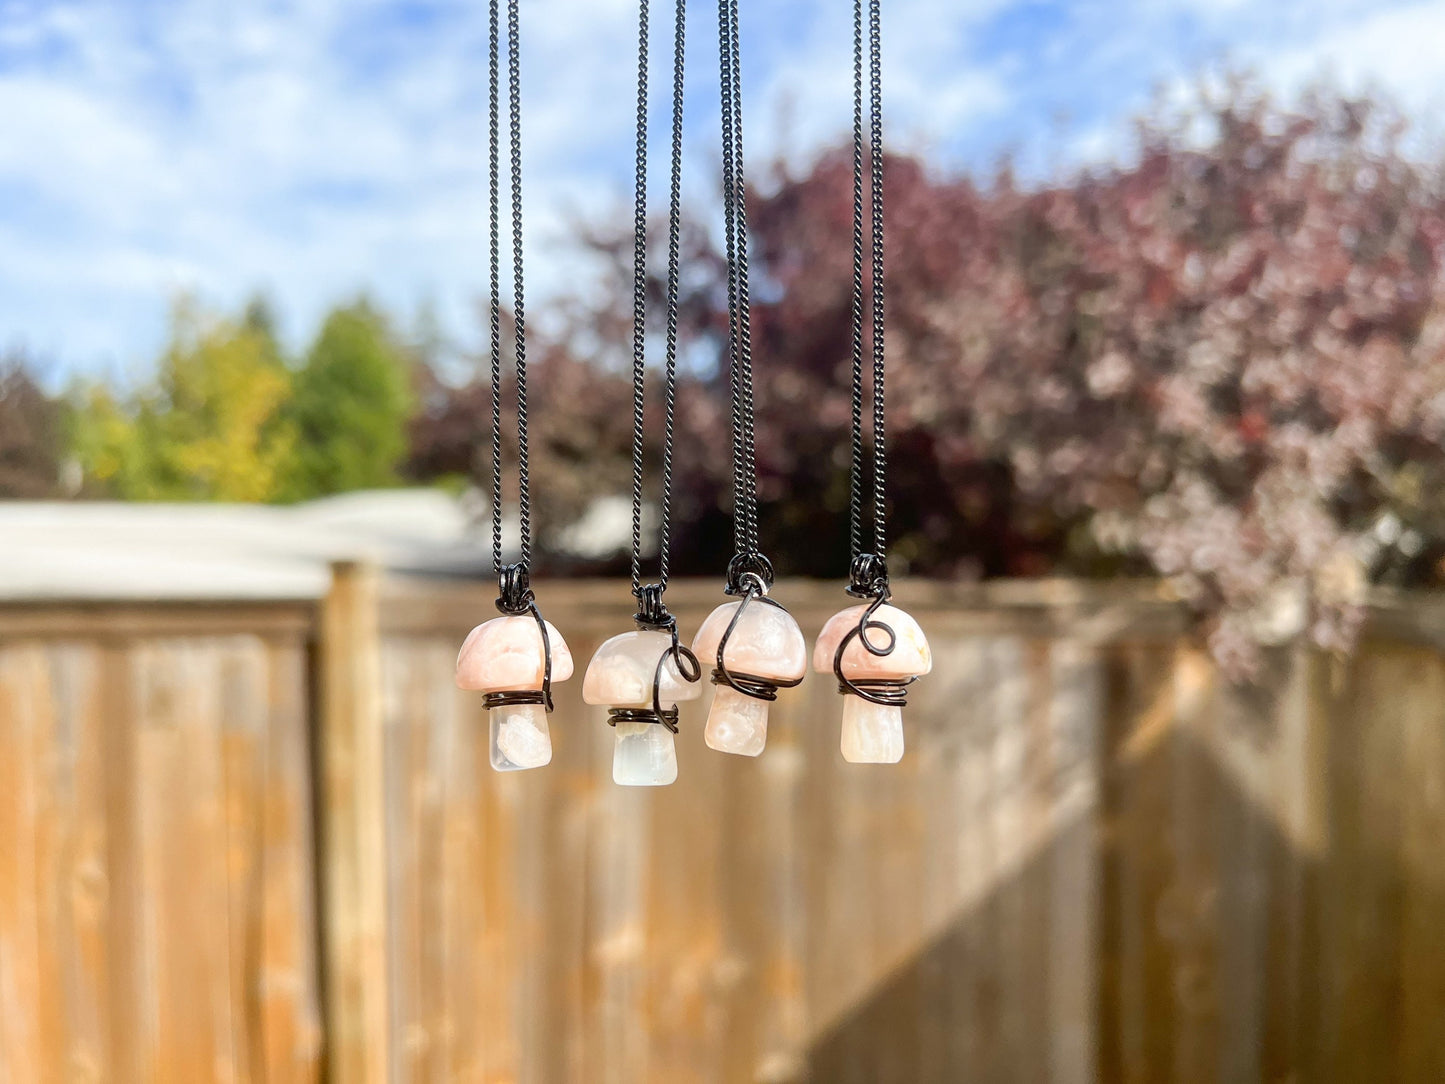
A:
[318,147]
[1396,50]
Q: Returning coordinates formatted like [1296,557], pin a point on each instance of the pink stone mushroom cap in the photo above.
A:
[767,642]
[910,657]
[620,674]
[505,655]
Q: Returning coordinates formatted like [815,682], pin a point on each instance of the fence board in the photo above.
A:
[132,944]
[1097,862]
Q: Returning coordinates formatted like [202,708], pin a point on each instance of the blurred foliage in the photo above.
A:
[579,428]
[1220,362]
[208,429]
[32,437]
[226,419]
[348,408]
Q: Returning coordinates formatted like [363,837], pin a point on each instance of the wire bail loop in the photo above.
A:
[868,577]
[652,612]
[514,584]
[749,571]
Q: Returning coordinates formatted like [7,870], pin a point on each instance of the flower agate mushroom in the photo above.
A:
[873,681]
[765,650]
[506,659]
[635,674]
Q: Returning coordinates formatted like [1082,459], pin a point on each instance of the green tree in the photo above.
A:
[349,408]
[209,429]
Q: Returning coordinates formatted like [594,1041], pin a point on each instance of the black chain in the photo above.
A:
[514,101]
[740,344]
[868,567]
[519,310]
[495,310]
[515,597]
[875,139]
[639,298]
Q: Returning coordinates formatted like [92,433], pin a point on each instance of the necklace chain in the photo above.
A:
[639,296]
[874,156]
[739,349]
[514,101]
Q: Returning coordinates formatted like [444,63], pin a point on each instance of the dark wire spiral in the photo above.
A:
[753,685]
[890,692]
[652,616]
[514,599]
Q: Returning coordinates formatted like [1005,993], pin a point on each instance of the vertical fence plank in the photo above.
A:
[243,678]
[183,855]
[465,760]
[1362,894]
[75,685]
[23,1052]
[1421,1054]
[128,1007]
[1073,855]
[1136,1023]
[289,1007]
[353,830]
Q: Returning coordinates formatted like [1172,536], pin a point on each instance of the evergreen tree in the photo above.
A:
[349,408]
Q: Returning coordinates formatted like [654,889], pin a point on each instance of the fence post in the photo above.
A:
[353,829]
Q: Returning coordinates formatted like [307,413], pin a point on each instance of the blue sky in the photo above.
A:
[312,149]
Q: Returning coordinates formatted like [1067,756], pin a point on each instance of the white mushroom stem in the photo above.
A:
[872,733]
[644,756]
[520,737]
[736,723]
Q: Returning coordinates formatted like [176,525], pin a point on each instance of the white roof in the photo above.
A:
[109,550]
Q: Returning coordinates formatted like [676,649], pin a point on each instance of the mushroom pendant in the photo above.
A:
[758,649]
[875,651]
[514,660]
[642,676]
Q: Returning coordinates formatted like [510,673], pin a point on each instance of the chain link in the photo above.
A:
[674,227]
[740,339]
[514,96]
[873,256]
[519,308]
[639,295]
[875,140]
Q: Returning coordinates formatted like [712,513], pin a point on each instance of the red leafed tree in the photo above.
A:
[1221,363]
[1225,359]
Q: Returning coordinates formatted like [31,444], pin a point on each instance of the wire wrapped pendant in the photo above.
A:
[513,660]
[875,651]
[641,677]
[757,649]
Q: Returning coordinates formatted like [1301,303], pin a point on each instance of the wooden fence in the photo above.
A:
[262,843]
